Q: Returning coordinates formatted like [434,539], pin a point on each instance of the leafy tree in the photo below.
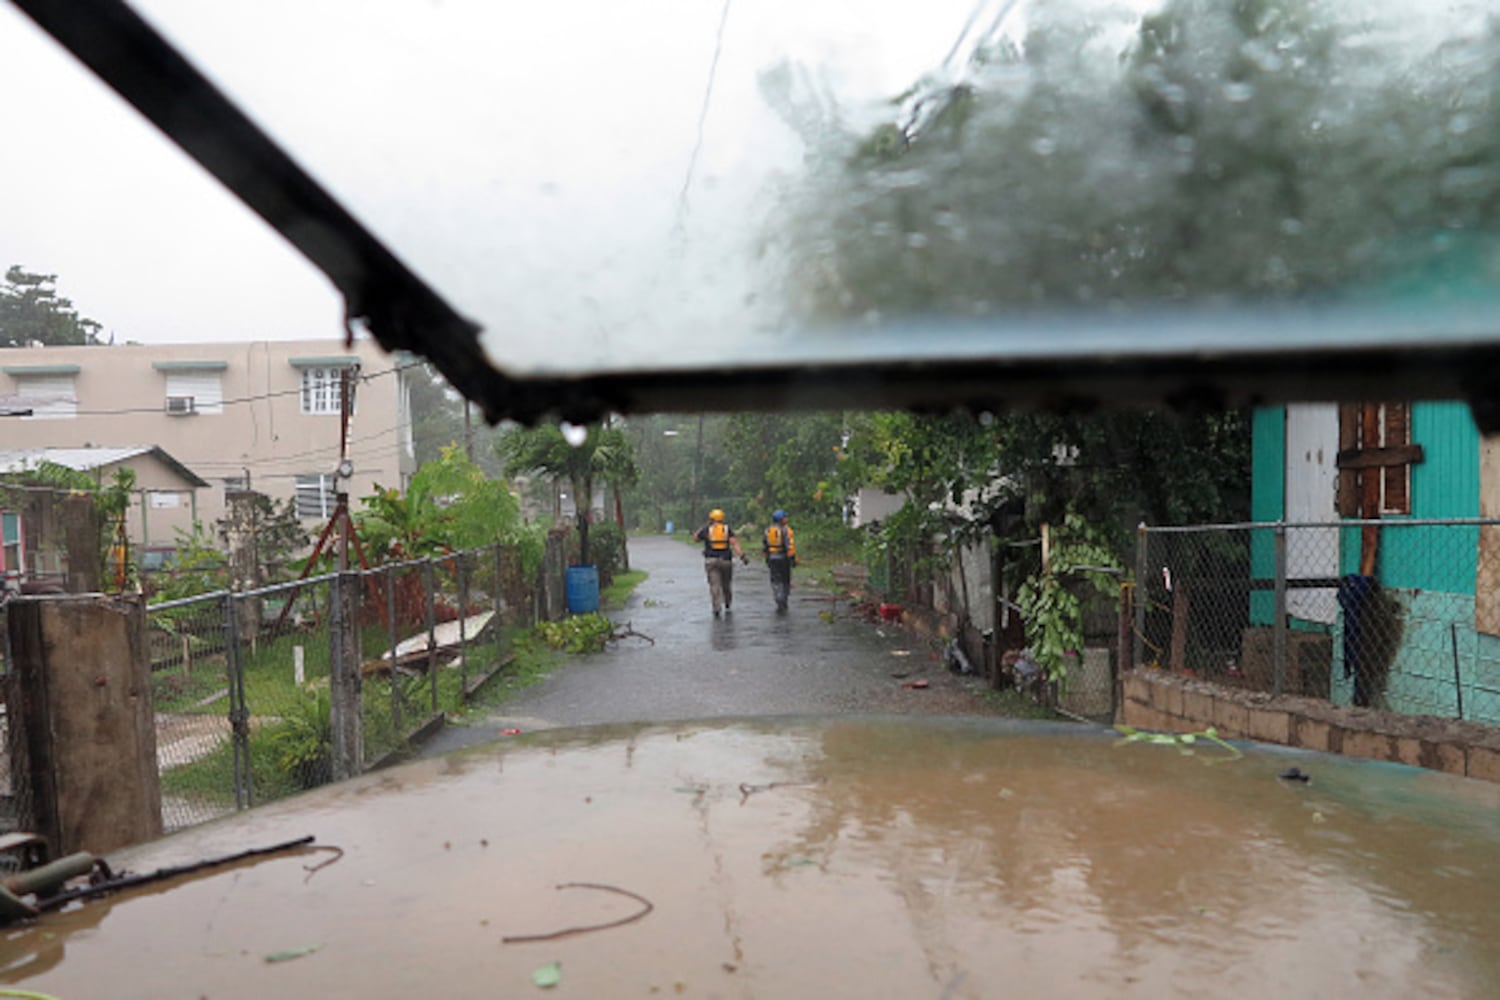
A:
[787,460]
[1196,155]
[31,311]
[198,567]
[449,505]
[671,465]
[438,421]
[603,455]
[276,532]
[1052,611]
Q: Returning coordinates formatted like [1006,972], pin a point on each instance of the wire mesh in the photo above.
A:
[284,638]
[241,681]
[1397,615]
[190,685]
[402,685]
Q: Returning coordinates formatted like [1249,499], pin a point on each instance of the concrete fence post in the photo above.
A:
[345,679]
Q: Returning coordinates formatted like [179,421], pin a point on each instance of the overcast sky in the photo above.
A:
[527,159]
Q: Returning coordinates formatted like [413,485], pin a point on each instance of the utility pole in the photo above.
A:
[697,470]
[341,497]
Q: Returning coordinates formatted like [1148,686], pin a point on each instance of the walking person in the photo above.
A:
[780,547]
[719,547]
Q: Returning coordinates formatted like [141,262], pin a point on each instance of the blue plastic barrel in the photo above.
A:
[582,584]
[670,526]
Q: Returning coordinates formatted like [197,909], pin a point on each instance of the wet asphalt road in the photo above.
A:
[752,662]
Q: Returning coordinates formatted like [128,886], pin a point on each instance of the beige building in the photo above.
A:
[264,415]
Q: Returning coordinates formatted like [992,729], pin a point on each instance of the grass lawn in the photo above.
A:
[1013,704]
[613,597]
[289,727]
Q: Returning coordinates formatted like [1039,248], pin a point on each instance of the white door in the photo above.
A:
[1312,477]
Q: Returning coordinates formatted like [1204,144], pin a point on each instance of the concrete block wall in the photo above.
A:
[1166,702]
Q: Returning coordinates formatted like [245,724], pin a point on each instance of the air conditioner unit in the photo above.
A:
[180,406]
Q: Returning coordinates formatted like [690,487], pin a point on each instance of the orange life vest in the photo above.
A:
[779,541]
[716,539]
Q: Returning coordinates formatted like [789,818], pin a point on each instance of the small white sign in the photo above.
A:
[165,501]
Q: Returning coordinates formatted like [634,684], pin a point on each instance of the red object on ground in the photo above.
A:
[890,612]
[915,684]
[510,732]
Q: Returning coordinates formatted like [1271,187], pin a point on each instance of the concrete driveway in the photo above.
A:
[815,659]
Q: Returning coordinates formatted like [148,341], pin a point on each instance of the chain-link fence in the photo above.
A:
[248,685]
[1400,615]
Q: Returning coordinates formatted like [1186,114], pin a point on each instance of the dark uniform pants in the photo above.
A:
[781,579]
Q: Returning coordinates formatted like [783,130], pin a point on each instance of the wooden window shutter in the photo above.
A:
[1375,459]
[1397,499]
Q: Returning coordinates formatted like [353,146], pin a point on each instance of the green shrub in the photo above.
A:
[607,549]
[577,633]
[303,740]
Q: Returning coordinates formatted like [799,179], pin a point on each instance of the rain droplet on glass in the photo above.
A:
[1238,92]
[574,434]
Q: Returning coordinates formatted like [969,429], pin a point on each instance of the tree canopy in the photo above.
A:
[31,312]
[597,454]
[449,505]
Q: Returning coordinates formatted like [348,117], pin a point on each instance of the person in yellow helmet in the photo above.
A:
[719,547]
[780,547]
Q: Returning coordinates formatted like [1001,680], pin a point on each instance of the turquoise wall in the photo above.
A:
[1429,570]
[1267,502]
[1425,676]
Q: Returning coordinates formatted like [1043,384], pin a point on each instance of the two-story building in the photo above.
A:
[262,415]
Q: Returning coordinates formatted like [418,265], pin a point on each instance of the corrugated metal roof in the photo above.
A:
[87,459]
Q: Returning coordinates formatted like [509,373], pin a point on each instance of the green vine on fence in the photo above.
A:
[1052,612]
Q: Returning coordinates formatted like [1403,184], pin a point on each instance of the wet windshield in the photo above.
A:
[610,188]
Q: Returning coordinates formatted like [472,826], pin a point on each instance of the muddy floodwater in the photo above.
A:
[807,858]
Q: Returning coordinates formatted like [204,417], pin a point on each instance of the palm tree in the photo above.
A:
[603,455]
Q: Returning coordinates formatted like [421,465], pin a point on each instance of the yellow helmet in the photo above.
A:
[716,515]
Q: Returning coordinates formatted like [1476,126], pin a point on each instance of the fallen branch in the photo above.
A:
[115,882]
[747,789]
[627,632]
[338,855]
[647,905]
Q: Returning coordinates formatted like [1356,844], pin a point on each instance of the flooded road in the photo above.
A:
[753,662]
[822,858]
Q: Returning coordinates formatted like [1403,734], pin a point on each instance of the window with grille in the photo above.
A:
[321,386]
[316,495]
